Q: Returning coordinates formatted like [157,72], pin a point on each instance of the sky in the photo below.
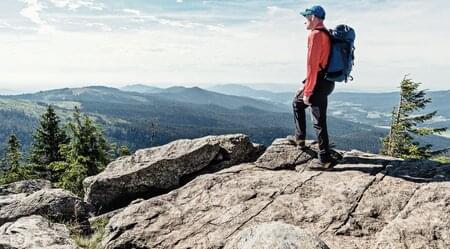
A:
[48,44]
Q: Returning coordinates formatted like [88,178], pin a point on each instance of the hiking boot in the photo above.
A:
[337,156]
[318,165]
[295,141]
[328,164]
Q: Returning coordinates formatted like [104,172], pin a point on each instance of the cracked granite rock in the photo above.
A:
[367,201]
[35,232]
[275,235]
[55,204]
[12,192]
[26,187]
[157,170]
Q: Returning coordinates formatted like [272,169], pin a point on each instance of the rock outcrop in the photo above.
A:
[26,187]
[219,192]
[275,235]
[367,201]
[35,232]
[15,191]
[55,204]
[154,171]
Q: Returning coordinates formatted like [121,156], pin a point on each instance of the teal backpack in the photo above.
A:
[341,59]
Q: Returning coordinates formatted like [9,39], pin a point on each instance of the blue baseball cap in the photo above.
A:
[314,10]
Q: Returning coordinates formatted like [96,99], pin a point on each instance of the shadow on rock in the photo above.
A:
[283,155]
[418,171]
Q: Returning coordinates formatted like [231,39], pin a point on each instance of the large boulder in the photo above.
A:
[56,204]
[12,192]
[275,235]
[35,232]
[157,170]
[367,201]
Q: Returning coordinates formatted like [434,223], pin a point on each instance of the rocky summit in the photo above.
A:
[225,192]
[367,201]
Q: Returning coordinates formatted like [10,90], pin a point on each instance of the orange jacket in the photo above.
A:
[318,51]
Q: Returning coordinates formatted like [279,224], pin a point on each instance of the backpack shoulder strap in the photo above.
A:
[327,32]
[324,30]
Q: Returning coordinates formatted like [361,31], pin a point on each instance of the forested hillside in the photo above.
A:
[141,120]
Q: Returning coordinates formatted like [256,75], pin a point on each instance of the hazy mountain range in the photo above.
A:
[142,116]
[368,108]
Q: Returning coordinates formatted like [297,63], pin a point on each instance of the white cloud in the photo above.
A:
[4,24]
[178,23]
[32,12]
[132,11]
[76,4]
[99,7]
[102,26]
[233,41]
[275,11]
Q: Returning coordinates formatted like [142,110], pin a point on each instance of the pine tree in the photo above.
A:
[88,142]
[15,171]
[13,154]
[404,124]
[46,142]
[87,153]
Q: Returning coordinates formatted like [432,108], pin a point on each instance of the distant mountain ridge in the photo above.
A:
[140,119]
[143,120]
[141,88]
[240,90]
[198,95]
[367,108]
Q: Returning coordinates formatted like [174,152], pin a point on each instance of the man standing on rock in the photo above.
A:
[316,88]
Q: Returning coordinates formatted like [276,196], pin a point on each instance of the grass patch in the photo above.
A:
[92,241]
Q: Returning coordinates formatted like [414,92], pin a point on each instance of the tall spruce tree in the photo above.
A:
[400,141]
[15,171]
[87,153]
[47,140]
[13,154]
[88,142]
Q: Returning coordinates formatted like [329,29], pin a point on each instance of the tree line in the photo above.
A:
[64,154]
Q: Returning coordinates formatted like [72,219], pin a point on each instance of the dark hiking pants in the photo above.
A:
[319,103]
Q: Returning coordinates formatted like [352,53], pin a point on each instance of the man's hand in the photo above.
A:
[306,100]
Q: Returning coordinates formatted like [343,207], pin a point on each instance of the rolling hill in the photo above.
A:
[147,119]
